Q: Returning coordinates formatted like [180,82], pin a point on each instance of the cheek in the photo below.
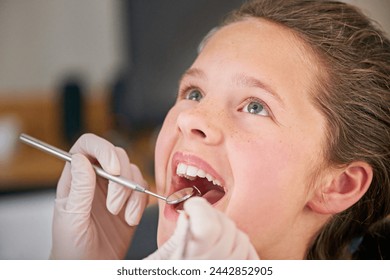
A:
[268,161]
[165,227]
[164,145]
[275,161]
[269,189]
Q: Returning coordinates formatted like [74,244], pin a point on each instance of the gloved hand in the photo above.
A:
[91,220]
[203,232]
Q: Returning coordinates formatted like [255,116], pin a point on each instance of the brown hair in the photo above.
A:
[354,96]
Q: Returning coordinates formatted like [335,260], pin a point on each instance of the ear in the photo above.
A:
[344,188]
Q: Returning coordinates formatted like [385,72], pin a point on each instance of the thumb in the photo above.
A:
[174,248]
[204,220]
[82,185]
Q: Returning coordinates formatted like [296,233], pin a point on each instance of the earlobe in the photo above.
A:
[346,187]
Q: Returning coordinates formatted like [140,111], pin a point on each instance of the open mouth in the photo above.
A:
[209,187]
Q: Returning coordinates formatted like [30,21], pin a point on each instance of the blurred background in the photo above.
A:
[109,67]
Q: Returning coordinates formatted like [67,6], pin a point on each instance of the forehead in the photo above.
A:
[273,51]
[260,32]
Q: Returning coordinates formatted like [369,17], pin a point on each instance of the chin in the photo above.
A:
[165,230]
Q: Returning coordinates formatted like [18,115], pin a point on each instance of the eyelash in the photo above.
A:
[187,89]
[261,102]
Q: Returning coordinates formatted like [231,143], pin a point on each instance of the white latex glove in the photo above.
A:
[203,232]
[90,220]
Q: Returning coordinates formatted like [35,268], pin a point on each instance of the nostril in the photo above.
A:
[199,132]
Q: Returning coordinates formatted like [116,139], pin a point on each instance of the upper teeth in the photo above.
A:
[191,172]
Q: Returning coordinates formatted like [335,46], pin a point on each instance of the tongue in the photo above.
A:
[212,196]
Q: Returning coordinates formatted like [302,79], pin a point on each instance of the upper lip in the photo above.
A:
[192,160]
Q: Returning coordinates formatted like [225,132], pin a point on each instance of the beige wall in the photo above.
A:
[42,40]
[377,9]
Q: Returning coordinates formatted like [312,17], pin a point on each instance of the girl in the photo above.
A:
[282,122]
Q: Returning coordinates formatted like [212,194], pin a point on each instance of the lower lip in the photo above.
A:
[170,213]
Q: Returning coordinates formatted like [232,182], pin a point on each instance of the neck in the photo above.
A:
[294,244]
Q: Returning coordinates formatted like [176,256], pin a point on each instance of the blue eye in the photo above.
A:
[256,108]
[194,95]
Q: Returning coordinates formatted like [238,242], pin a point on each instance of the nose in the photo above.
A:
[201,124]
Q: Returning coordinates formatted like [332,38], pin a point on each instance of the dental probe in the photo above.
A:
[174,198]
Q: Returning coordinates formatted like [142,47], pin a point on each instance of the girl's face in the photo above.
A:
[245,132]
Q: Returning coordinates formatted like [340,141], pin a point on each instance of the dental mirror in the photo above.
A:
[182,195]
[173,198]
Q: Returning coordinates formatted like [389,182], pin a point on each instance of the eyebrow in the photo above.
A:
[244,80]
[240,79]
[194,72]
